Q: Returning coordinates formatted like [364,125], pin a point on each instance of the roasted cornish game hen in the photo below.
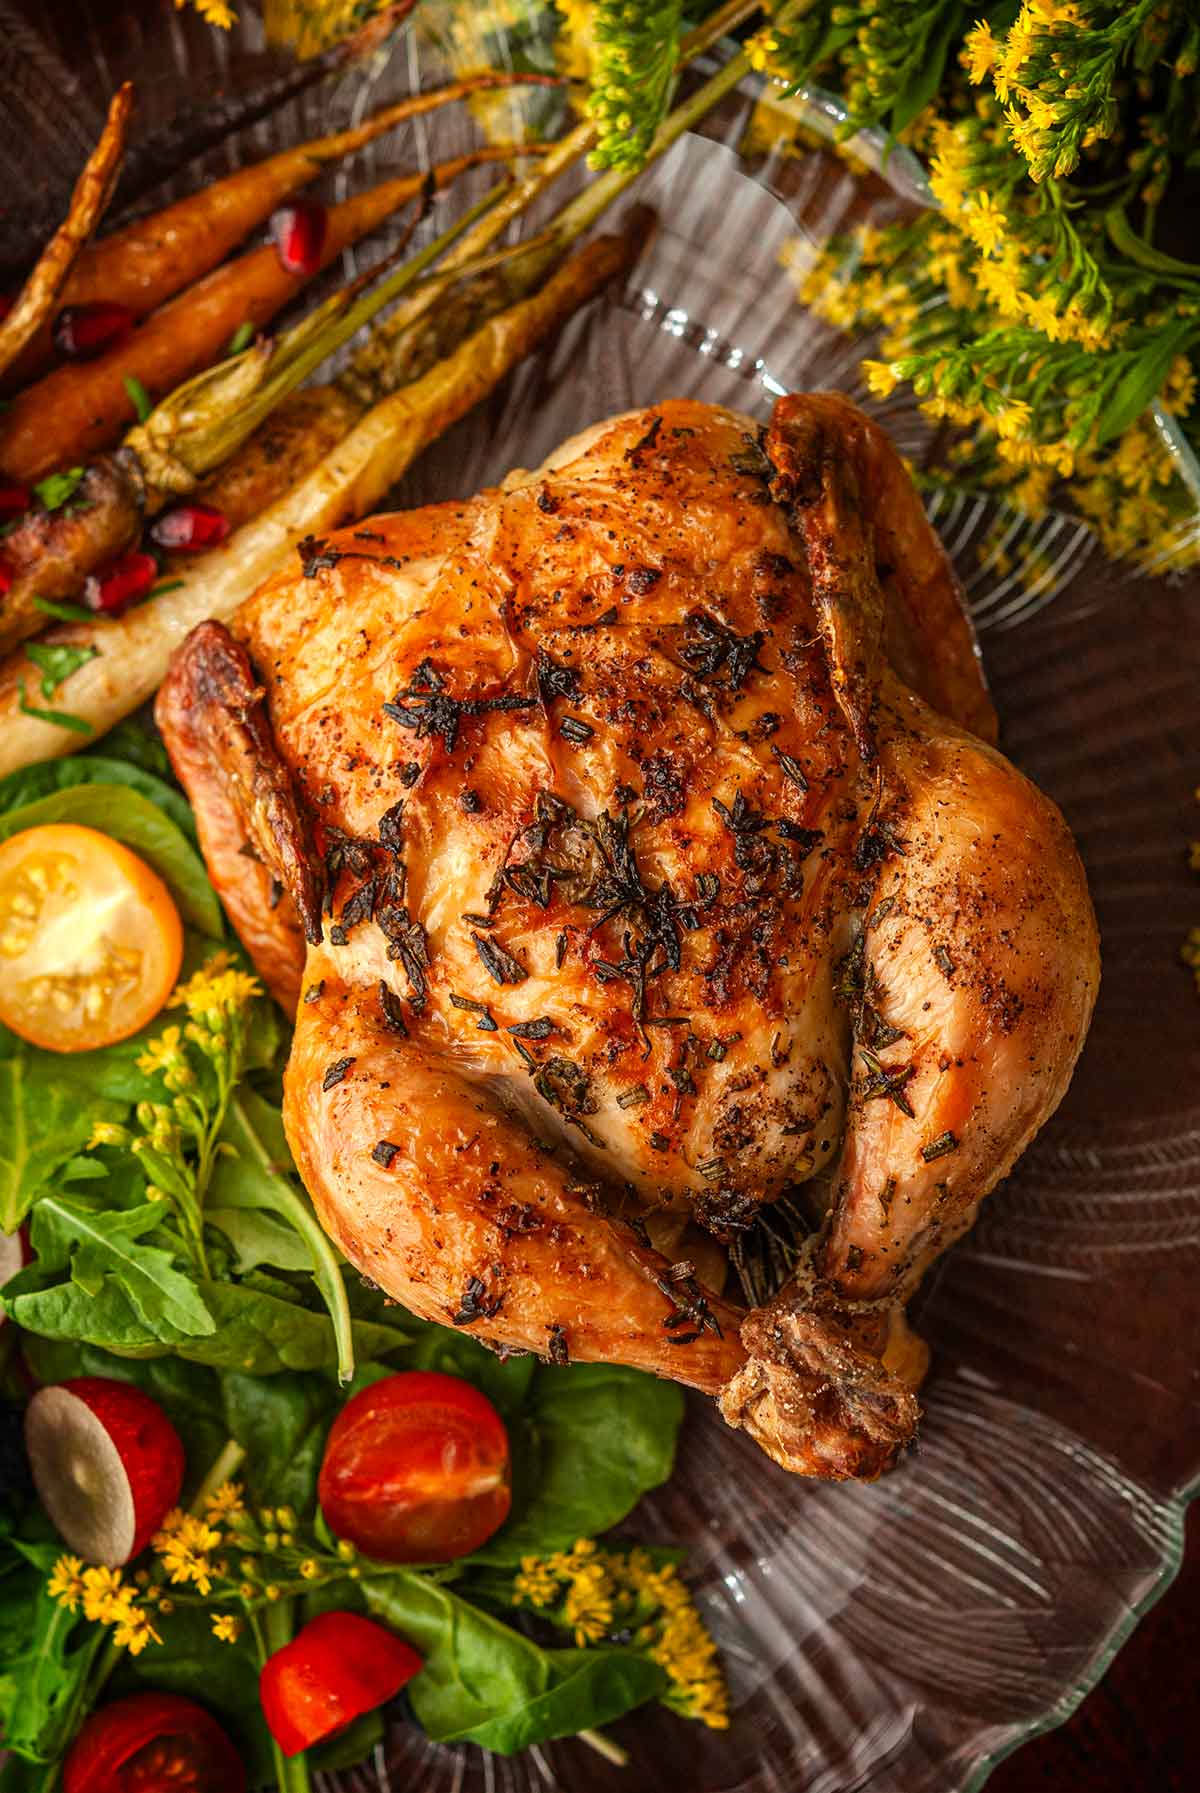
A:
[630,847]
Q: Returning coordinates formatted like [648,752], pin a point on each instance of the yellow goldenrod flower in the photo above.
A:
[161,1054]
[979,51]
[103,1592]
[226,1627]
[1013,419]
[310,1568]
[985,222]
[881,377]
[134,1631]
[107,1133]
[213,12]
[185,1545]
[66,1582]
[224,1502]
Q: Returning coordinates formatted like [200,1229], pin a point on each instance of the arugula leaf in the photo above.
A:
[33,782]
[137,741]
[130,817]
[252,1175]
[96,1246]
[43,1678]
[42,1125]
[258,1238]
[592,1440]
[53,491]
[60,718]
[57,661]
[488,1684]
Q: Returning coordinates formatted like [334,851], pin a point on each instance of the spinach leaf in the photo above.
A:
[128,816]
[484,1682]
[592,1439]
[33,782]
[95,1246]
[42,1125]
[254,1330]
[281,1423]
[252,1174]
[259,1238]
[505,1381]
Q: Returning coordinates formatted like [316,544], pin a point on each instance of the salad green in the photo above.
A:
[173,1247]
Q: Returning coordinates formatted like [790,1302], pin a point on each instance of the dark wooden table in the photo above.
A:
[1136,1733]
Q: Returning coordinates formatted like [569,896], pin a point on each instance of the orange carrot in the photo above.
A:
[81,408]
[148,261]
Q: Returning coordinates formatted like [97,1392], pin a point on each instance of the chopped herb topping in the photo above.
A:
[888,1082]
[476,1303]
[498,962]
[428,709]
[553,678]
[791,768]
[315,991]
[241,339]
[391,827]
[575,730]
[941,1147]
[57,661]
[541,1029]
[486,1022]
[410,771]
[646,441]
[138,397]
[941,957]
[384,1152]
[559,1353]
[54,491]
[65,613]
[60,718]
[633,1098]
[336,1072]
[393,1013]
[714,654]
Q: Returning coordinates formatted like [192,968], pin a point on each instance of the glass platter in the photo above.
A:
[901,1637]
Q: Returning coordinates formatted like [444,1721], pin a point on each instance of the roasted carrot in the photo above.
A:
[130,654]
[146,262]
[93,190]
[77,410]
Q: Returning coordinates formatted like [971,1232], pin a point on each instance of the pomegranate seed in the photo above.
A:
[81,331]
[190,526]
[298,233]
[6,578]
[14,500]
[121,584]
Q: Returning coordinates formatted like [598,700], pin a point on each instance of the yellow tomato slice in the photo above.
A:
[90,940]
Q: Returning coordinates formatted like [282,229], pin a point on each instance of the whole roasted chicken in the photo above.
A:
[629,844]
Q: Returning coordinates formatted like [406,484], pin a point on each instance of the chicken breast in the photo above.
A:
[629,845]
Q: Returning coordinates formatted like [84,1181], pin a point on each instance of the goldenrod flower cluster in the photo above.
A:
[596,1594]
[106,1598]
[198,1062]
[213,12]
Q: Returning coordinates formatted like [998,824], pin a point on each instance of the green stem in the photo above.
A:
[291,1772]
[1122,236]
[224,1467]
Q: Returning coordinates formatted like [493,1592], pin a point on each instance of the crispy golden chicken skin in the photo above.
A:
[629,847]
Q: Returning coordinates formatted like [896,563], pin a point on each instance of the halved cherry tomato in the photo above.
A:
[416,1469]
[90,940]
[337,1667]
[148,1743]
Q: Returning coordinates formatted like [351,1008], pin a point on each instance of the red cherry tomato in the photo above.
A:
[335,1669]
[150,1742]
[416,1469]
